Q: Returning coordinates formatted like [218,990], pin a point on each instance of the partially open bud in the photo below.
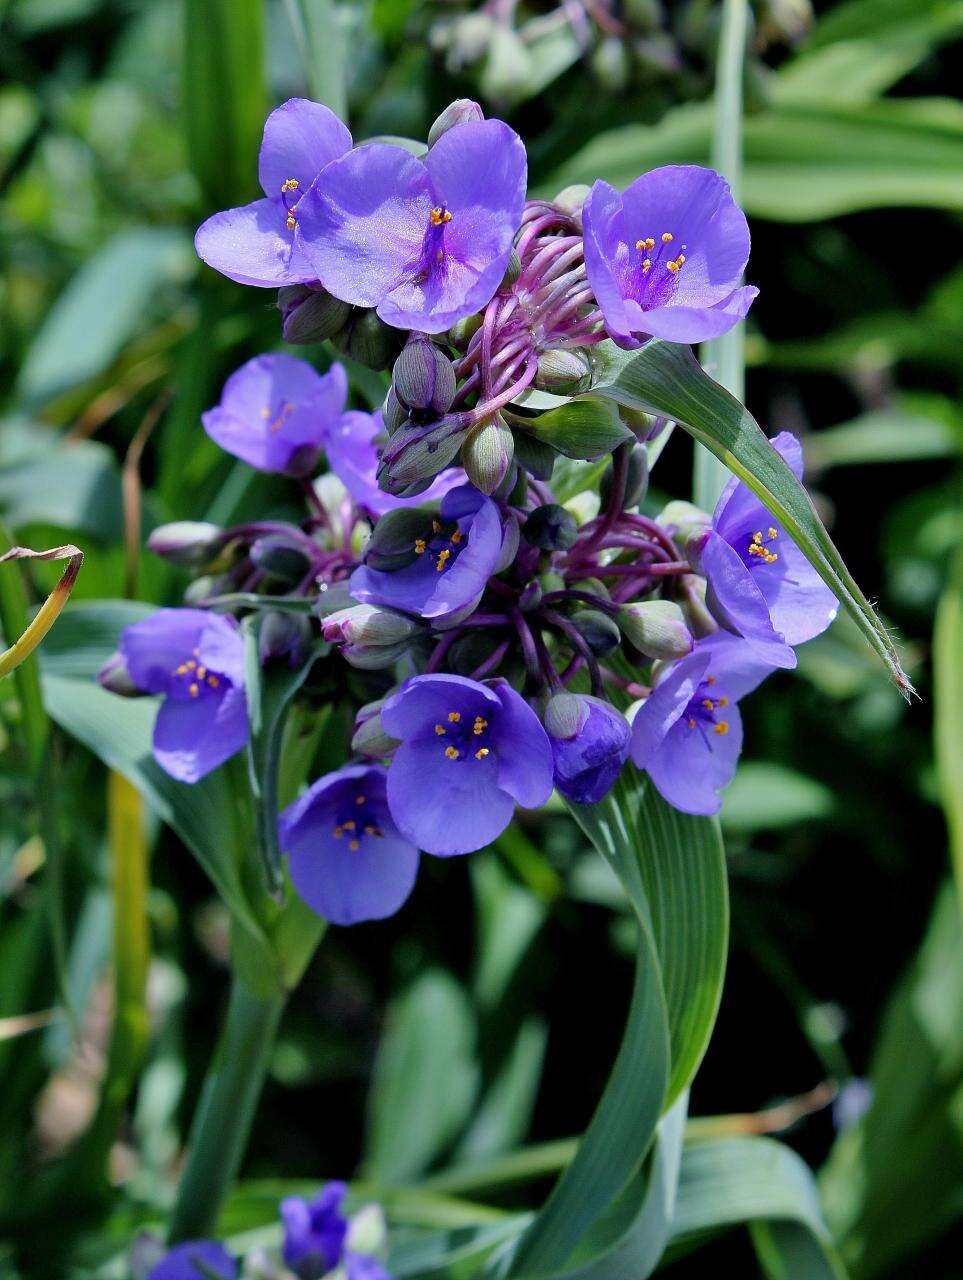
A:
[571,199]
[636,481]
[114,677]
[461,111]
[367,624]
[424,378]
[367,339]
[284,636]
[375,657]
[280,557]
[186,542]
[531,597]
[487,455]
[590,743]
[657,628]
[551,528]
[369,738]
[310,314]
[599,631]
[563,372]
[565,715]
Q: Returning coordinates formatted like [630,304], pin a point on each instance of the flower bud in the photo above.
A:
[393,413]
[610,62]
[571,199]
[462,332]
[636,481]
[115,678]
[209,585]
[599,631]
[367,339]
[367,624]
[512,271]
[375,657]
[392,542]
[368,1230]
[656,627]
[369,737]
[565,715]
[186,542]
[280,557]
[424,378]
[683,520]
[563,372]
[310,314]
[416,454]
[551,528]
[531,597]
[511,538]
[487,455]
[692,590]
[461,111]
[284,635]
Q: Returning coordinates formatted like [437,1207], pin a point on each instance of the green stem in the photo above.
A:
[724,357]
[225,1112]
[319,35]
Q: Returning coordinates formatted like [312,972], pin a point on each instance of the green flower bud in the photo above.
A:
[461,111]
[683,520]
[369,738]
[280,557]
[657,628]
[375,657]
[486,455]
[564,715]
[393,412]
[310,314]
[551,528]
[599,631]
[417,456]
[186,542]
[423,377]
[610,62]
[563,372]
[283,635]
[367,339]
[114,677]
[571,199]
[367,624]
[512,271]
[462,332]
[692,591]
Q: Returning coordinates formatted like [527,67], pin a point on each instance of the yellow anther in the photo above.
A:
[213,681]
[757,538]
[435,526]
[201,672]
[710,679]
[480,725]
[190,664]
[442,559]
[673,267]
[371,831]
[454,716]
[680,259]
[193,690]
[708,704]
[722,728]
[354,845]
[290,222]
[667,237]
[772,532]
[359,799]
[691,722]
[451,753]
[350,825]
[290,184]
[646,265]
[181,670]
[420,545]
[481,753]
[723,701]
[338,832]
[439,216]
[265,413]
[439,729]
[456,537]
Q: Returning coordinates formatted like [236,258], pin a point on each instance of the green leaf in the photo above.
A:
[582,428]
[508,918]
[425,1078]
[729,1181]
[770,797]
[504,1114]
[46,480]
[666,378]
[948,700]
[102,306]
[907,432]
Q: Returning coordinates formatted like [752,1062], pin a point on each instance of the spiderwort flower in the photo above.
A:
[450,563]
[318,1237]
[666,256]
[195,1260]
[469,753]
[687,734]
[276,413]
[196,660]
[590,743]
[758,583]
[260,243]
[353,457]
[425,242]
[348,860]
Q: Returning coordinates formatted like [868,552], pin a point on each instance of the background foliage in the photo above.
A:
[430,1052]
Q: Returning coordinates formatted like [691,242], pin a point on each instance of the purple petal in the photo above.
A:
[696,324]
[153,648]
[253,245]
[444,806]
[735,664]
[588,764]
[180,1263]
[425,701]
[692,766]
[362,1266]
[665,705]
[525,766]
[603,254]
[738,507]
[737,603]
[221,647]
[300,138]
[353,457]
[363,221]
[192,736]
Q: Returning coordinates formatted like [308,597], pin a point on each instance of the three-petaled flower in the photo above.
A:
[260,243]
[665,258]
[468,753]
[196,660]
[318,1237]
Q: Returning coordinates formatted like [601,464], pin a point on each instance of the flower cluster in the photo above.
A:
[319,1242]
[496,637]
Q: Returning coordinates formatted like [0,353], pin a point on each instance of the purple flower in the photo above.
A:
[195,1260]
[590,749]
[423,241]
[687,735]
[450,566]
[348,860]
[353,457]
[759,584]
[260,243]
[196,660]
[469,753]
[666,256]
[276,413]
[314,1231]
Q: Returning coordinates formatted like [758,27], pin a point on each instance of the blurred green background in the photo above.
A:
[502,984]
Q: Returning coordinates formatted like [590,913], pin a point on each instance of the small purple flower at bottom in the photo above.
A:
[276,413]
[425,242]
[195,660]
[319,1237]
[195,1260]
[759,585]
[260,243]
[469,753]
[666,256]
[687,735]
[590,743]
[450,566]
[353,457]
[348,860]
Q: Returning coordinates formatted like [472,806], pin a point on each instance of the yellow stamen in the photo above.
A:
[290,184]
[451,753]
[193,690]
[480,725]
[442,558]
[349,826]
[439,216]
[181,670]
[667,237]
[710,679]
[454,716]
[354,845]
[708,704]
[722,728]
[757,538]
[481,753]
[435,526]
[691,722]
[213,681]
[290,222]
[359,799]
[190,664]
[723,701]
[772,532]
[420,545]
[456,537]
[646,265]
[372,831]
[439,729]
[338,832]
[673,267]
[201,672]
